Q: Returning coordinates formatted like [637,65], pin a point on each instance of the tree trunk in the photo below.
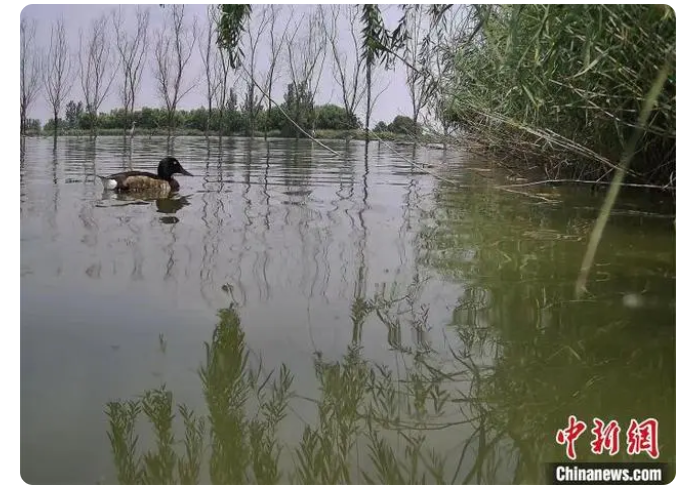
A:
[22,121]
[415,126]
[269,110]
[170,122]
[208,119]
[93,125]
[368,101]
[251,110]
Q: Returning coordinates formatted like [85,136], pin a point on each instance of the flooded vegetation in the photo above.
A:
[294,316]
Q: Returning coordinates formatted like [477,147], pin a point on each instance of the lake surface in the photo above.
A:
[329,318]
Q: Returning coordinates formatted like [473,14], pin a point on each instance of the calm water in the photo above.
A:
[429,330]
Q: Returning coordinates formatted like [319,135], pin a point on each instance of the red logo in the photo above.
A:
[642,437]
[569,435]
[606,437]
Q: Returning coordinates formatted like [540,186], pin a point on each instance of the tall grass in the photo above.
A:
[563,86]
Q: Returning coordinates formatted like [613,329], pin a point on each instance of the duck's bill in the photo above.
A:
[185,172]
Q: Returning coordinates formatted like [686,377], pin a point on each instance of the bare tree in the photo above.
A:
[252,99]
[276,42]
[97,68]
[173,50]
[215,74]
[225,78]
[380,81]
[221,76]
[132,50]
[347,67]
[306,58]
[58,78]
[368,64]
[29,71]
[265,82]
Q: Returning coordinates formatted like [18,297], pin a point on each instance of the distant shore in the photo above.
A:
[322,134]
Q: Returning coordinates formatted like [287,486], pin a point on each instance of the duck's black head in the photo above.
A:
[170,166]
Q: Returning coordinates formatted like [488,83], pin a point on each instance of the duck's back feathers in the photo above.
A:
[138,181]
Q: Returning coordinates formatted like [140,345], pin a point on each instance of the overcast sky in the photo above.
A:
[395,100]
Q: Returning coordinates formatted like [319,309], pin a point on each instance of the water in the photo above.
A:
[450,308]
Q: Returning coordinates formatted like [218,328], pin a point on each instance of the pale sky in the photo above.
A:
[395,100]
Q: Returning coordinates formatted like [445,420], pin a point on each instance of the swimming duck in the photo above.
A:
[144,181]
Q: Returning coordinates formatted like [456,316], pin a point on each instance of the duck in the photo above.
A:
[145,181]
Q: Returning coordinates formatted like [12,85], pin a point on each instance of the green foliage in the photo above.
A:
[231,120]
[298,103]
[32,125]
[230,30]
[74,112]
[49,126]
[574,76]
[375,37]
[404,125]
[381,127]
[378,43]
[198,118]
[251,110]
[335,117]
[274,120]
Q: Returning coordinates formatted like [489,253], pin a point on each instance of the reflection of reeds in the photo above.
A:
[324,456]
[158,466]
[363,413]
[371,424]
[122,424]
[466,418]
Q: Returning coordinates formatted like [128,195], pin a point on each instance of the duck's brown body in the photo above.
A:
[144,181]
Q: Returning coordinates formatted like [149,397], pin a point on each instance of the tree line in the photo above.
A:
[235,120]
